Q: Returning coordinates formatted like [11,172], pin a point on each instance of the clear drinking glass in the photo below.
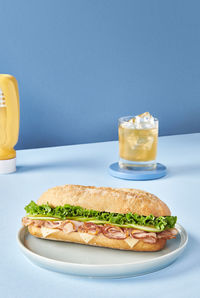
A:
[137,146]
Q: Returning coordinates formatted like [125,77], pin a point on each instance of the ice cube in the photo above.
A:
[132,140]
[146,116]
[127,124]
[149,142]
[146,142]
[144,121]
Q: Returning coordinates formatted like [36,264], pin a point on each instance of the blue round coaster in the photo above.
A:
[159,172]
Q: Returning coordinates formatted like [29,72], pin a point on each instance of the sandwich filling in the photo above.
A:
[70,218]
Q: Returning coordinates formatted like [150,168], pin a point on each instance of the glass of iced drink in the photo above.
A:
[138,138]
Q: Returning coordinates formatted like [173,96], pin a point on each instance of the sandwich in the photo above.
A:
[127,219]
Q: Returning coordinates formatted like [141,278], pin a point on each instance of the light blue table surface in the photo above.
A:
[40,169]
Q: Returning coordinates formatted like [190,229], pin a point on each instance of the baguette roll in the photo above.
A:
[102,199]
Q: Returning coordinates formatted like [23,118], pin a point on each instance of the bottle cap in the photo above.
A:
[7,166]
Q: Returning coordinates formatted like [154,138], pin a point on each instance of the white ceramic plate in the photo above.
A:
[85,260]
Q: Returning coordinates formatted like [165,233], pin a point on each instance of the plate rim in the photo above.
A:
[182,232]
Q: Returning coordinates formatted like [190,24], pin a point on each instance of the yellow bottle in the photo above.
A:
[9,122]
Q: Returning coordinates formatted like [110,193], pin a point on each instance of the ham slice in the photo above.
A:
[52,224]
[142,235]
[90,228]
[149,240]
[26,221]
[168,234]
[77,224]
[113,232]
[145,236]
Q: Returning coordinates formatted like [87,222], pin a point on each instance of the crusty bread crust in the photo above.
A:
[99,240]
[106,199]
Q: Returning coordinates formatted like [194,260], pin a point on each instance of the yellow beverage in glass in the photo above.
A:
[138,138]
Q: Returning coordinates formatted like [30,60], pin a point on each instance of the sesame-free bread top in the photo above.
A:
[107,199]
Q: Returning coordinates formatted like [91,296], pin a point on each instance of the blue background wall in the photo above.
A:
[82,64]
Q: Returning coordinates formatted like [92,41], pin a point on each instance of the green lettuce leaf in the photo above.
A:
[150,222]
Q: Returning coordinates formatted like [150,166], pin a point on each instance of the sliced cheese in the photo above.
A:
[131,242]
[47,231]
[86,237]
